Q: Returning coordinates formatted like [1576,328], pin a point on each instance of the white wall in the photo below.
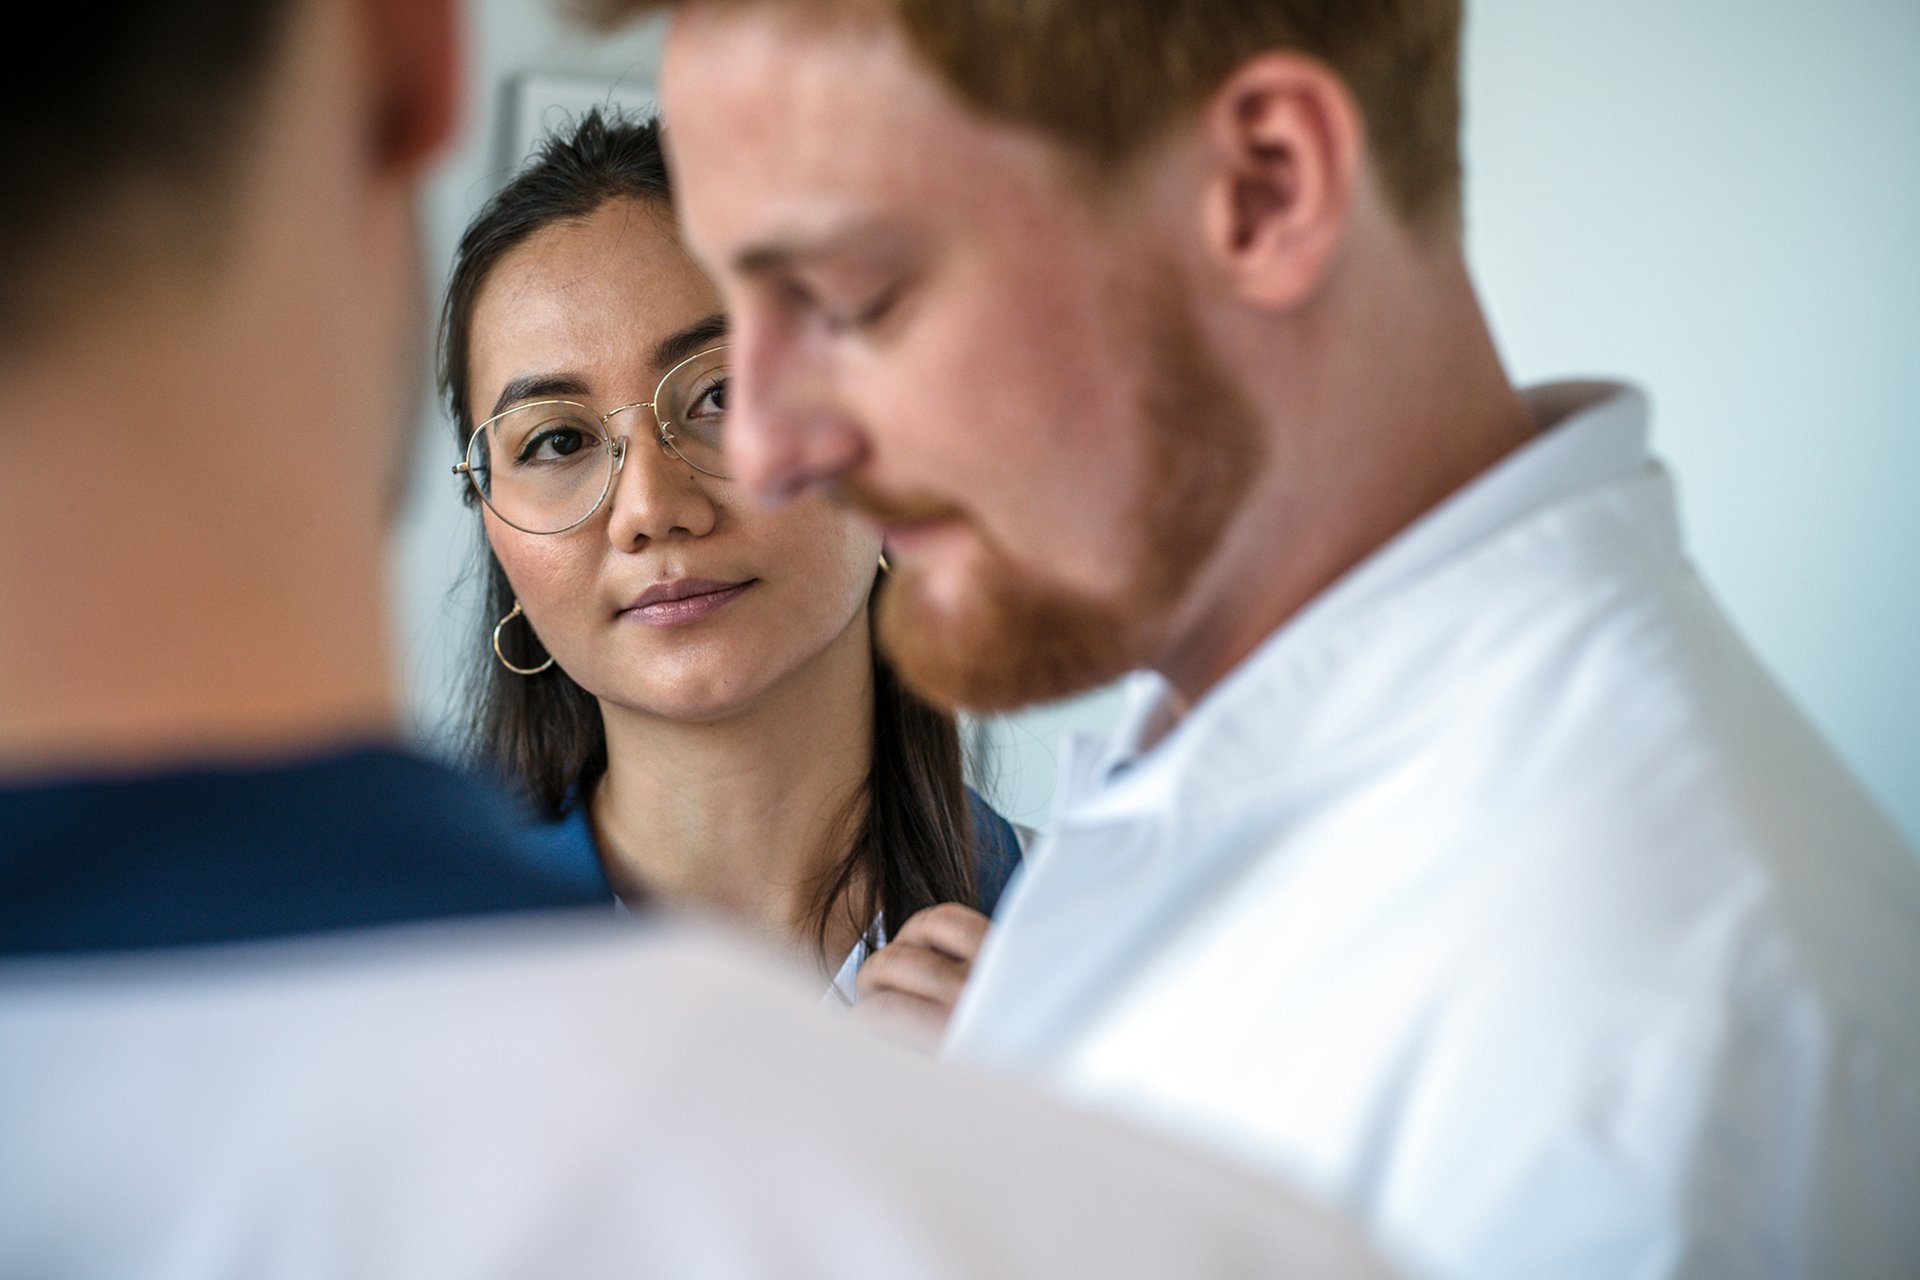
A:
[1719,200]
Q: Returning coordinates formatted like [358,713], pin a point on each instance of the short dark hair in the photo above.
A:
[910,830]
[118,102]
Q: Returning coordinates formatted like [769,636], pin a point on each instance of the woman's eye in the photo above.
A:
[554,443]
[711,402]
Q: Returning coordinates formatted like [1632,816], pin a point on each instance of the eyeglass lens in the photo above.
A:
[547,466]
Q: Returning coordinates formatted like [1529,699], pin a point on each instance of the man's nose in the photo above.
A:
[788,431]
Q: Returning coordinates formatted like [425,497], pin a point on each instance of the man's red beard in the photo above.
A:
[1018,639]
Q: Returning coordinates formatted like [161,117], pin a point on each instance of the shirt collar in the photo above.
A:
[1590,434]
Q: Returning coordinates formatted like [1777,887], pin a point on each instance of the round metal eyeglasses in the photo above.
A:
[548,465]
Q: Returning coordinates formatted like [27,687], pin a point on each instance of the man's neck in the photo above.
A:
[135,636]
[1411,404]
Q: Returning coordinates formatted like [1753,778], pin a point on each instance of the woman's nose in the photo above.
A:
[656,496]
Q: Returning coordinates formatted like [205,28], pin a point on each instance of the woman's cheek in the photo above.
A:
[553,588]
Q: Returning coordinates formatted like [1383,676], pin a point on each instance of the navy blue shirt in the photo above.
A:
[237,853]
[567,851]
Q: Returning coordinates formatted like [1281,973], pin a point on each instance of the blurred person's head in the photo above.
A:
[209,334]
[1097,307]
[584,360]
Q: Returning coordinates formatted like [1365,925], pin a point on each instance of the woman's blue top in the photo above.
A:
[565,850]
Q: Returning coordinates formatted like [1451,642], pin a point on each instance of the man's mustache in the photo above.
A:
[864,498]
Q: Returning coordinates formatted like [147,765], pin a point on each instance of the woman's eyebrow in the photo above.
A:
[669,351]
[692,340]
[535,386]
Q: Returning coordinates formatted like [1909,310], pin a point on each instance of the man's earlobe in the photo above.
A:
[1284,148]
[418,57]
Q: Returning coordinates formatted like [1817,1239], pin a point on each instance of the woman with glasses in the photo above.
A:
[685,685]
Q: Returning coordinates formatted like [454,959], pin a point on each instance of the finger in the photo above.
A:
[914,971]
[950,928]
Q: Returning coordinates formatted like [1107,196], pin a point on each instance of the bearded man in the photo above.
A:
[1455,854]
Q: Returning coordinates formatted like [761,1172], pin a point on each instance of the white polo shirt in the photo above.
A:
[1503,898]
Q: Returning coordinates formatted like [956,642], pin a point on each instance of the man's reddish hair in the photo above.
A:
[1107,78]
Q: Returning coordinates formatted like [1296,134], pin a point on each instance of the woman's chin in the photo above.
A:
[693,703]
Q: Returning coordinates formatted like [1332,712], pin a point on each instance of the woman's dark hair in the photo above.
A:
[911,830]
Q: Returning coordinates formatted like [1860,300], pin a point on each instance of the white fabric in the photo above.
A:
[1502,898]
[557,1100]
[844,991]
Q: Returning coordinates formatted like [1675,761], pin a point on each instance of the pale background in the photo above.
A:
[1719,200]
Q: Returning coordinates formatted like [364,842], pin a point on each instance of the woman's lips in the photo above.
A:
[675,604]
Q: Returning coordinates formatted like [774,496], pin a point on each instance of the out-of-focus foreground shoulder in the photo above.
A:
[561,1098]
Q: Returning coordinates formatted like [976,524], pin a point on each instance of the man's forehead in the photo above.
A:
[809,125]
[737,60]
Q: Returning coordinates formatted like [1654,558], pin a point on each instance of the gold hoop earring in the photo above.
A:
[884,566]
[498,627]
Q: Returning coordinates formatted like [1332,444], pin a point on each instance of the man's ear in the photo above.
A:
[417,62]
[1284,147]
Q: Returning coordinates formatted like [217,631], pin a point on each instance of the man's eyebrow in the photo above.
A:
[539,386]
[781,251]
[692,340]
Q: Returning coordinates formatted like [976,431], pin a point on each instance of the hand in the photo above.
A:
[909,986]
